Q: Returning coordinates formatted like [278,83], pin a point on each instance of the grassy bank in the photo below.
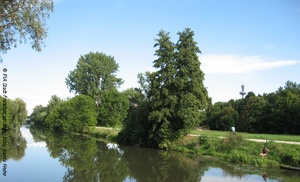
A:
[108,134]
[233,148]
[237,150]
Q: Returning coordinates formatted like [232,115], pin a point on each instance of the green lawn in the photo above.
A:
[211,133]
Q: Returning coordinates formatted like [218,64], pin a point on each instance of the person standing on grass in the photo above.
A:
[233,130]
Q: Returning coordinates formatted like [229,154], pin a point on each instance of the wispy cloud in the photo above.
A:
[234,64]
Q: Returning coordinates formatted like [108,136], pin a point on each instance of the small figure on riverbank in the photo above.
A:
[265,151]
[233,130]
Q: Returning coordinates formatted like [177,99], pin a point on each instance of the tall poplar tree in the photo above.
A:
[192,95]
[177,95]
[161,96]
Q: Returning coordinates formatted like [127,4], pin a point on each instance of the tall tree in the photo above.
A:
[95,72]
[22,20]
[191,92]
[161,96]
[177,94]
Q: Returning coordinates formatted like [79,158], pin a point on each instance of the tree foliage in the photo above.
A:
[53,102]
[40,113]
[38,116]
[94,73]
[137,126]
[76,114]
[135,96]
[113,109]
[15,113]
[22,20]
[221,116]
[18,112]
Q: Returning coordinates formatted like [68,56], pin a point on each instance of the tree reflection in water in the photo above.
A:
[15,145]
[90,160]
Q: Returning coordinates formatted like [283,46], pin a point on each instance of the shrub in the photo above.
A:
[231,142]
[202,139]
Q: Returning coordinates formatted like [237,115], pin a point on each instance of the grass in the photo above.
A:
[109,134]
[236,150]
[212,133]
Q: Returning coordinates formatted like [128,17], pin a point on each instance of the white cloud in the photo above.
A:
[234,64]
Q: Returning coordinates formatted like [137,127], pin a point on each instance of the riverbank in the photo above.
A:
[232,148]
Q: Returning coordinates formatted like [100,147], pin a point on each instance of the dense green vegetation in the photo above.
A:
[15,115]
[73,115]
[76,114]
[276,113]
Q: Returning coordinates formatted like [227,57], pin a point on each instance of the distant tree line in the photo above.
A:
[275,113]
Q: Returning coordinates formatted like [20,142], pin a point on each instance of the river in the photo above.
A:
[35,156]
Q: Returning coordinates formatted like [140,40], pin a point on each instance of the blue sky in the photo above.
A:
[255,43]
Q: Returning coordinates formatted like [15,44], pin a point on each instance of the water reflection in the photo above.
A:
[87,159]
[91,160]
[13,145]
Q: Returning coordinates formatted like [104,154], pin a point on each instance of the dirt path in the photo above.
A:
[276,141]
[262,141]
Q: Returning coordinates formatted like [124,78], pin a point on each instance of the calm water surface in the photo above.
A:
[36,156]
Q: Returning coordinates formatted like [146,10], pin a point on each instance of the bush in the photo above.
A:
[230,143]
[202,139]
